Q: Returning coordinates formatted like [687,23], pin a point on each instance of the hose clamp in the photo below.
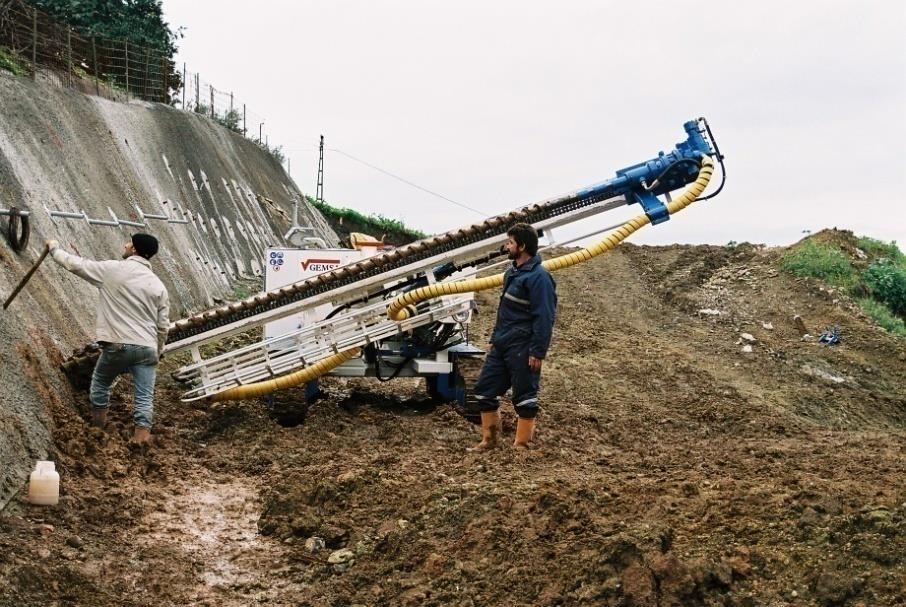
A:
[654,208]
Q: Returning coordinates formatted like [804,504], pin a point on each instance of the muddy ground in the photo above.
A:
[670,468]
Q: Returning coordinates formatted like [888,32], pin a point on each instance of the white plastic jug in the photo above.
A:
[44,485]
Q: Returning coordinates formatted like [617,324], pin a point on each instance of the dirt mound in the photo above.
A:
[694,448]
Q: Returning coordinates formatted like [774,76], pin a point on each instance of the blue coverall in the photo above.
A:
[525,321]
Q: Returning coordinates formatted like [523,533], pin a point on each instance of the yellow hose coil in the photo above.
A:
[403,306]
[399,308]
[287,381]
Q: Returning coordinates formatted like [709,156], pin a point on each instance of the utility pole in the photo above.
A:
[319,192]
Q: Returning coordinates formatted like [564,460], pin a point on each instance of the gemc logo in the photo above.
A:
[320,265]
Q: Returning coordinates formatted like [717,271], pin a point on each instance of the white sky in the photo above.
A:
[497,104]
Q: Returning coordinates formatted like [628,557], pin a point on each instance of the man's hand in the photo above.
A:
[534,363]
[51,244]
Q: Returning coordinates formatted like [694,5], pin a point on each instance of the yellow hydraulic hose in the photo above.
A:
[401,307]
[287,381]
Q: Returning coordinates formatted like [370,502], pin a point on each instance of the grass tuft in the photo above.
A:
[11,63]
[878,248]
[824,262]
[882,315]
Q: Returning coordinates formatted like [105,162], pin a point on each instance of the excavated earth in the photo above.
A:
[671,467]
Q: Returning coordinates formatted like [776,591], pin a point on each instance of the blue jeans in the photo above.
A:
[504,368]
[138,361]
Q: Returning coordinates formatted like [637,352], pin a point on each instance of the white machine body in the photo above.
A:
[286,266]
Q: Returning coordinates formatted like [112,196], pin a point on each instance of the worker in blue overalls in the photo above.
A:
[519,343]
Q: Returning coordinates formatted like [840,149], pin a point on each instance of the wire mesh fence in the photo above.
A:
[38,46]
[33,44]
[222,106]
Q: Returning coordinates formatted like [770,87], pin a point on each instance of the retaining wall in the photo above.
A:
[61,150]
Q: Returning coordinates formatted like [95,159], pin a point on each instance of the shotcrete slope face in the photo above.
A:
[72,152]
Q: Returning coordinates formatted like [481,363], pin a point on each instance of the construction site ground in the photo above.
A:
[670,467]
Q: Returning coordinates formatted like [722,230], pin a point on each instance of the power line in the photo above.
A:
[407,182]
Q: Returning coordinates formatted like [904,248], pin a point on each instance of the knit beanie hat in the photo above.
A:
[145,245]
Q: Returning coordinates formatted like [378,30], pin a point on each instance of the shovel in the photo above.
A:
[25,280]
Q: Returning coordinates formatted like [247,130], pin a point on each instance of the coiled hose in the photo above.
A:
[18,237]
[401,308]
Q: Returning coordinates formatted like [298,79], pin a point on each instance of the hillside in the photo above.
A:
[214,199]
[672,467]
[343,221]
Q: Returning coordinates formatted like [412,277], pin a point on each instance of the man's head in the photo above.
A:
[523,239]
[143,245]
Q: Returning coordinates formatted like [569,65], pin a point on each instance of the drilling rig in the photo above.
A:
[405,312]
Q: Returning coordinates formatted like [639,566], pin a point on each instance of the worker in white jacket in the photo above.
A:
[132,322]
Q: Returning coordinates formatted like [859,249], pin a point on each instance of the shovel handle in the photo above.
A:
[26,278]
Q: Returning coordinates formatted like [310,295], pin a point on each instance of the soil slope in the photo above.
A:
[67,152]
[671,467]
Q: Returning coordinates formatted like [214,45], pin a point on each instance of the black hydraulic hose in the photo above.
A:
[18,237]
[694,162]
[365,299]
[720,160]
[378,361]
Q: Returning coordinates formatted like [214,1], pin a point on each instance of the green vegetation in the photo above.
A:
[879,248]
[10,63]
[231,120]
[276,152]
[887,281]
[824,262]
[882,277]
[140,22]
[882,315]
[241,291]
[373,223]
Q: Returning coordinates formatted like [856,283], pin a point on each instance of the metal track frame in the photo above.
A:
[277,356]
[361,288]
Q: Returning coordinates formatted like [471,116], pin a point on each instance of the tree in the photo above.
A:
[139,22]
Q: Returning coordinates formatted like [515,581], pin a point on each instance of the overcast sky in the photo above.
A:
[498,104]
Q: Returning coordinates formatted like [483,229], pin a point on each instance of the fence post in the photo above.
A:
[184,89]
[126,42]
[145,89]
[231,103]
[245,131]
[197,92]
[165,68]
[211,88]
[69,54]
[34,44]
[94,54]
